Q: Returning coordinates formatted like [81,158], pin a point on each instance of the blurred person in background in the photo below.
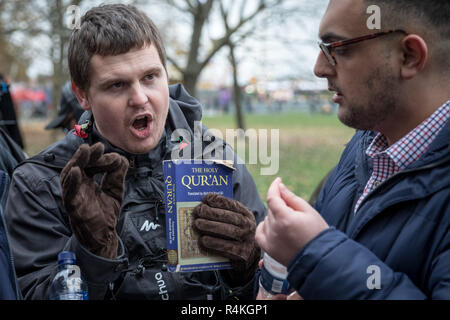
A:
[8,119]
[69,110]
[11,146]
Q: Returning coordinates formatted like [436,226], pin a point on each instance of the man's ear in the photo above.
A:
[415,56]
[81,97]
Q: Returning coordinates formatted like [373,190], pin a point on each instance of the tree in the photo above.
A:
[200,12]
[40,18]
[14,59]
[241,20]
[237,96]
[59,33]
[48,19]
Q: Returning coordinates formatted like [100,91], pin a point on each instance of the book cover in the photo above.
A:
[186,182]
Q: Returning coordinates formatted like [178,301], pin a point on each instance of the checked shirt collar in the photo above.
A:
[389,160]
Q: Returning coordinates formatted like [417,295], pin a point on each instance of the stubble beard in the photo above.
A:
[381,102]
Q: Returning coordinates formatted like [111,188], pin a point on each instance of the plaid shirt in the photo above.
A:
[389,160]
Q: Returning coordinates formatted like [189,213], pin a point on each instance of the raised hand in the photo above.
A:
[93,208]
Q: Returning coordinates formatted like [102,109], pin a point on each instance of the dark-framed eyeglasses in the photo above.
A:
[327,48]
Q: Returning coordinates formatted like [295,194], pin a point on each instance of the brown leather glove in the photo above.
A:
[94,209]
[227,228]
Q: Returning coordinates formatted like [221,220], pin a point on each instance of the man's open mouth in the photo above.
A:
[141,126]
[141,123]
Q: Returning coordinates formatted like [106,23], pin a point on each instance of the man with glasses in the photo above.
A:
[381,226]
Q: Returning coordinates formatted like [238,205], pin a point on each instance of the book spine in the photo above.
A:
[171,212]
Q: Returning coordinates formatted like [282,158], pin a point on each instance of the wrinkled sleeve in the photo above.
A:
[333,266]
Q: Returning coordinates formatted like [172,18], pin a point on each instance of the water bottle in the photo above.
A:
[273,279]
[68,284]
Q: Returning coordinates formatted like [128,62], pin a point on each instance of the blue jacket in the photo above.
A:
[8,285]
[396,246]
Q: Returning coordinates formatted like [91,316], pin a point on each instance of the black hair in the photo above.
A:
[431,17]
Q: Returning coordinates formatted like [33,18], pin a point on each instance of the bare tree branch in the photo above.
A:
[224,15]
[219,43]
[180,8]
[192,7]
[239,21]
[175,64]
[242,9]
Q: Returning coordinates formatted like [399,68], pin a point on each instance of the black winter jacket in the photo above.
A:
[39,227]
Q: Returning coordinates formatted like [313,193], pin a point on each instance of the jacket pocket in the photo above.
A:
[144,228]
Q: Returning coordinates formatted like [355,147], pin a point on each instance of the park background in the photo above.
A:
[249,62]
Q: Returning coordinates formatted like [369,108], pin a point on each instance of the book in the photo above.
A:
[186,182]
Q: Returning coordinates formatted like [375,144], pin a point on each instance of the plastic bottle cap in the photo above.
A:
[66,257]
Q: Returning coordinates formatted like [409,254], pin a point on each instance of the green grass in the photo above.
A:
[284,121]
[309,146]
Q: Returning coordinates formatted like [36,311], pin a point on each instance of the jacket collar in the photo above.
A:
[438,150]
[424,177]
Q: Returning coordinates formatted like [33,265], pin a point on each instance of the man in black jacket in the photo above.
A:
[59,201]
[69,110]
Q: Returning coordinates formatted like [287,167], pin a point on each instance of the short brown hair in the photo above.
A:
[110,30]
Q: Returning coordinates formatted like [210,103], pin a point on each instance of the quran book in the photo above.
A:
[186,183]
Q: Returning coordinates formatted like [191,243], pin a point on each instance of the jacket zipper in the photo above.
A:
[132,162]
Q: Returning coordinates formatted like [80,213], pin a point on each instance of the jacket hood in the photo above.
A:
[181,100]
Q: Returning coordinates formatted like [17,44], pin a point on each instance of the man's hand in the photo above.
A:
[227,228]
[94,209]
[289,225]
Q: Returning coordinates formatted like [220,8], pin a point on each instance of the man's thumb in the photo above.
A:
[293,201]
